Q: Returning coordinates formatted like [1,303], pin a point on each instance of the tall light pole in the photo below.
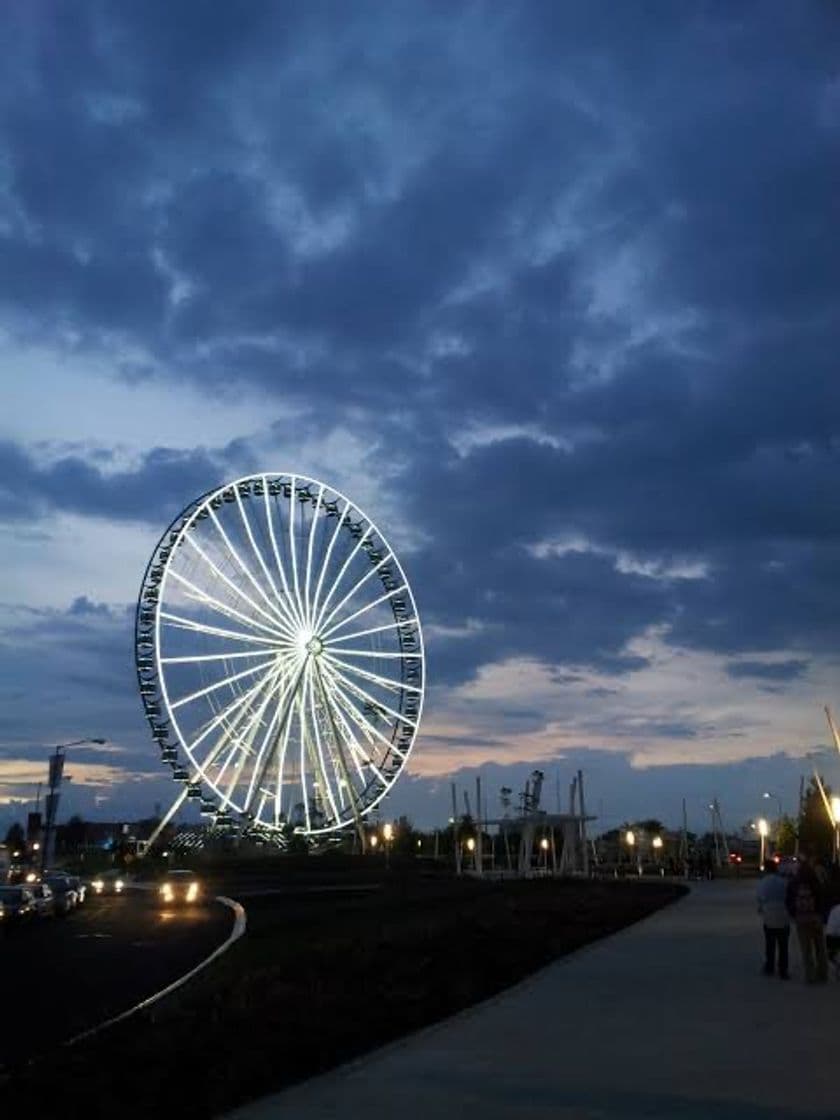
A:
[630,837]
[763,829]
[775,797]
[51,803]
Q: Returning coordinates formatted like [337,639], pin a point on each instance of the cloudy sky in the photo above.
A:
[549,289]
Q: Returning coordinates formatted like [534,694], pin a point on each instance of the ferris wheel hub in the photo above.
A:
[314,645]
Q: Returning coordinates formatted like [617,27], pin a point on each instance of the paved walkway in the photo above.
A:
[667,1019]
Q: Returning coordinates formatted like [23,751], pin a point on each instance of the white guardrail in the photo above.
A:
[239,925]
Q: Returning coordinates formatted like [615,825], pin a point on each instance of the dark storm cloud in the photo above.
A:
[166,481]
[608,226]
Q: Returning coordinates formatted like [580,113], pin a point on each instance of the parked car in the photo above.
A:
[65,897]
[18,904]
[179,886]
[109,882]
[44,899]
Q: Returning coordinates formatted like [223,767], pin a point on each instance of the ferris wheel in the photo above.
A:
[279,656]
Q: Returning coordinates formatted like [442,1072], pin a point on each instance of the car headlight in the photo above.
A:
[98,886]
[192,892]
[166,891]
[119,884]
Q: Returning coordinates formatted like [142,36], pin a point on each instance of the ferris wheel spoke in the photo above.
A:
[288,699]
[338,718]
[325,563]
[351,556]
[211,657]
[375,630]
[278,598]
[355,589]
[319,757]
[231,728]
[223,683]
[281,760]
[225,713]
[293,550]
[350,695]
[344,712]
[183,623]
[245,744]
[289,602]
[198,595]
[272,618]
[363,610]
[390,655]
[246,571]
[374,678]
[335,749]
[369,698]
[312,525]
[302,725]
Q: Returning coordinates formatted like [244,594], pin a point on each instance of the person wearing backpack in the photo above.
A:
[805,899]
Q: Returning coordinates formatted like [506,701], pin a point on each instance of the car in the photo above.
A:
[44,899]
[18,904]
[109,882]
[180,886]
[79,887]
[65,896]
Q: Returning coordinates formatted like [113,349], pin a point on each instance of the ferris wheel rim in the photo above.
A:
[306,612]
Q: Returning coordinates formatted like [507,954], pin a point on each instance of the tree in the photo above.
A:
[816,831]
[16,838]
[786,836]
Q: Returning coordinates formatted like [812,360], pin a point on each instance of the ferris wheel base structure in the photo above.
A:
[279,658]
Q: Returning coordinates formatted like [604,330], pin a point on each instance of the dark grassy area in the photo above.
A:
[322,977]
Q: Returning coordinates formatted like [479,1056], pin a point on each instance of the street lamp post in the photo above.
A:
[768,796]
[388,835]
[630,838]
[56,773]
[763,829]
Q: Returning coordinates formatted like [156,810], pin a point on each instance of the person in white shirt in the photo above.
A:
[775,918]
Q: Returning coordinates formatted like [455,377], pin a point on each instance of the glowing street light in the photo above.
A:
[374,840]
[388,836]
[763,829]
[470,844]
[657,842]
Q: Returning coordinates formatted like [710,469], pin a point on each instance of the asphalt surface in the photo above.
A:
[61,976]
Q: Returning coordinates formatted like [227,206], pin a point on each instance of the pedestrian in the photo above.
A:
[805,900]
[770,896]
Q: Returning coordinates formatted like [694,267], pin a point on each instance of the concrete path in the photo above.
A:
[668,1019]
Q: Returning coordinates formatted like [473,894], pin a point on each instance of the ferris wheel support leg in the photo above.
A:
[342,761]
[170,813]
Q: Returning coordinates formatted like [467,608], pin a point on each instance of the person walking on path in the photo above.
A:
[806,904]
[770,896]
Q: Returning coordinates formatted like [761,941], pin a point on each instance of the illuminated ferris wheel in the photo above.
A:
[279,656]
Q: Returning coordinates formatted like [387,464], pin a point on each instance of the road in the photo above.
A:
[61,976]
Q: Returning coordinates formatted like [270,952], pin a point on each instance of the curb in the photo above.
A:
[239,926]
